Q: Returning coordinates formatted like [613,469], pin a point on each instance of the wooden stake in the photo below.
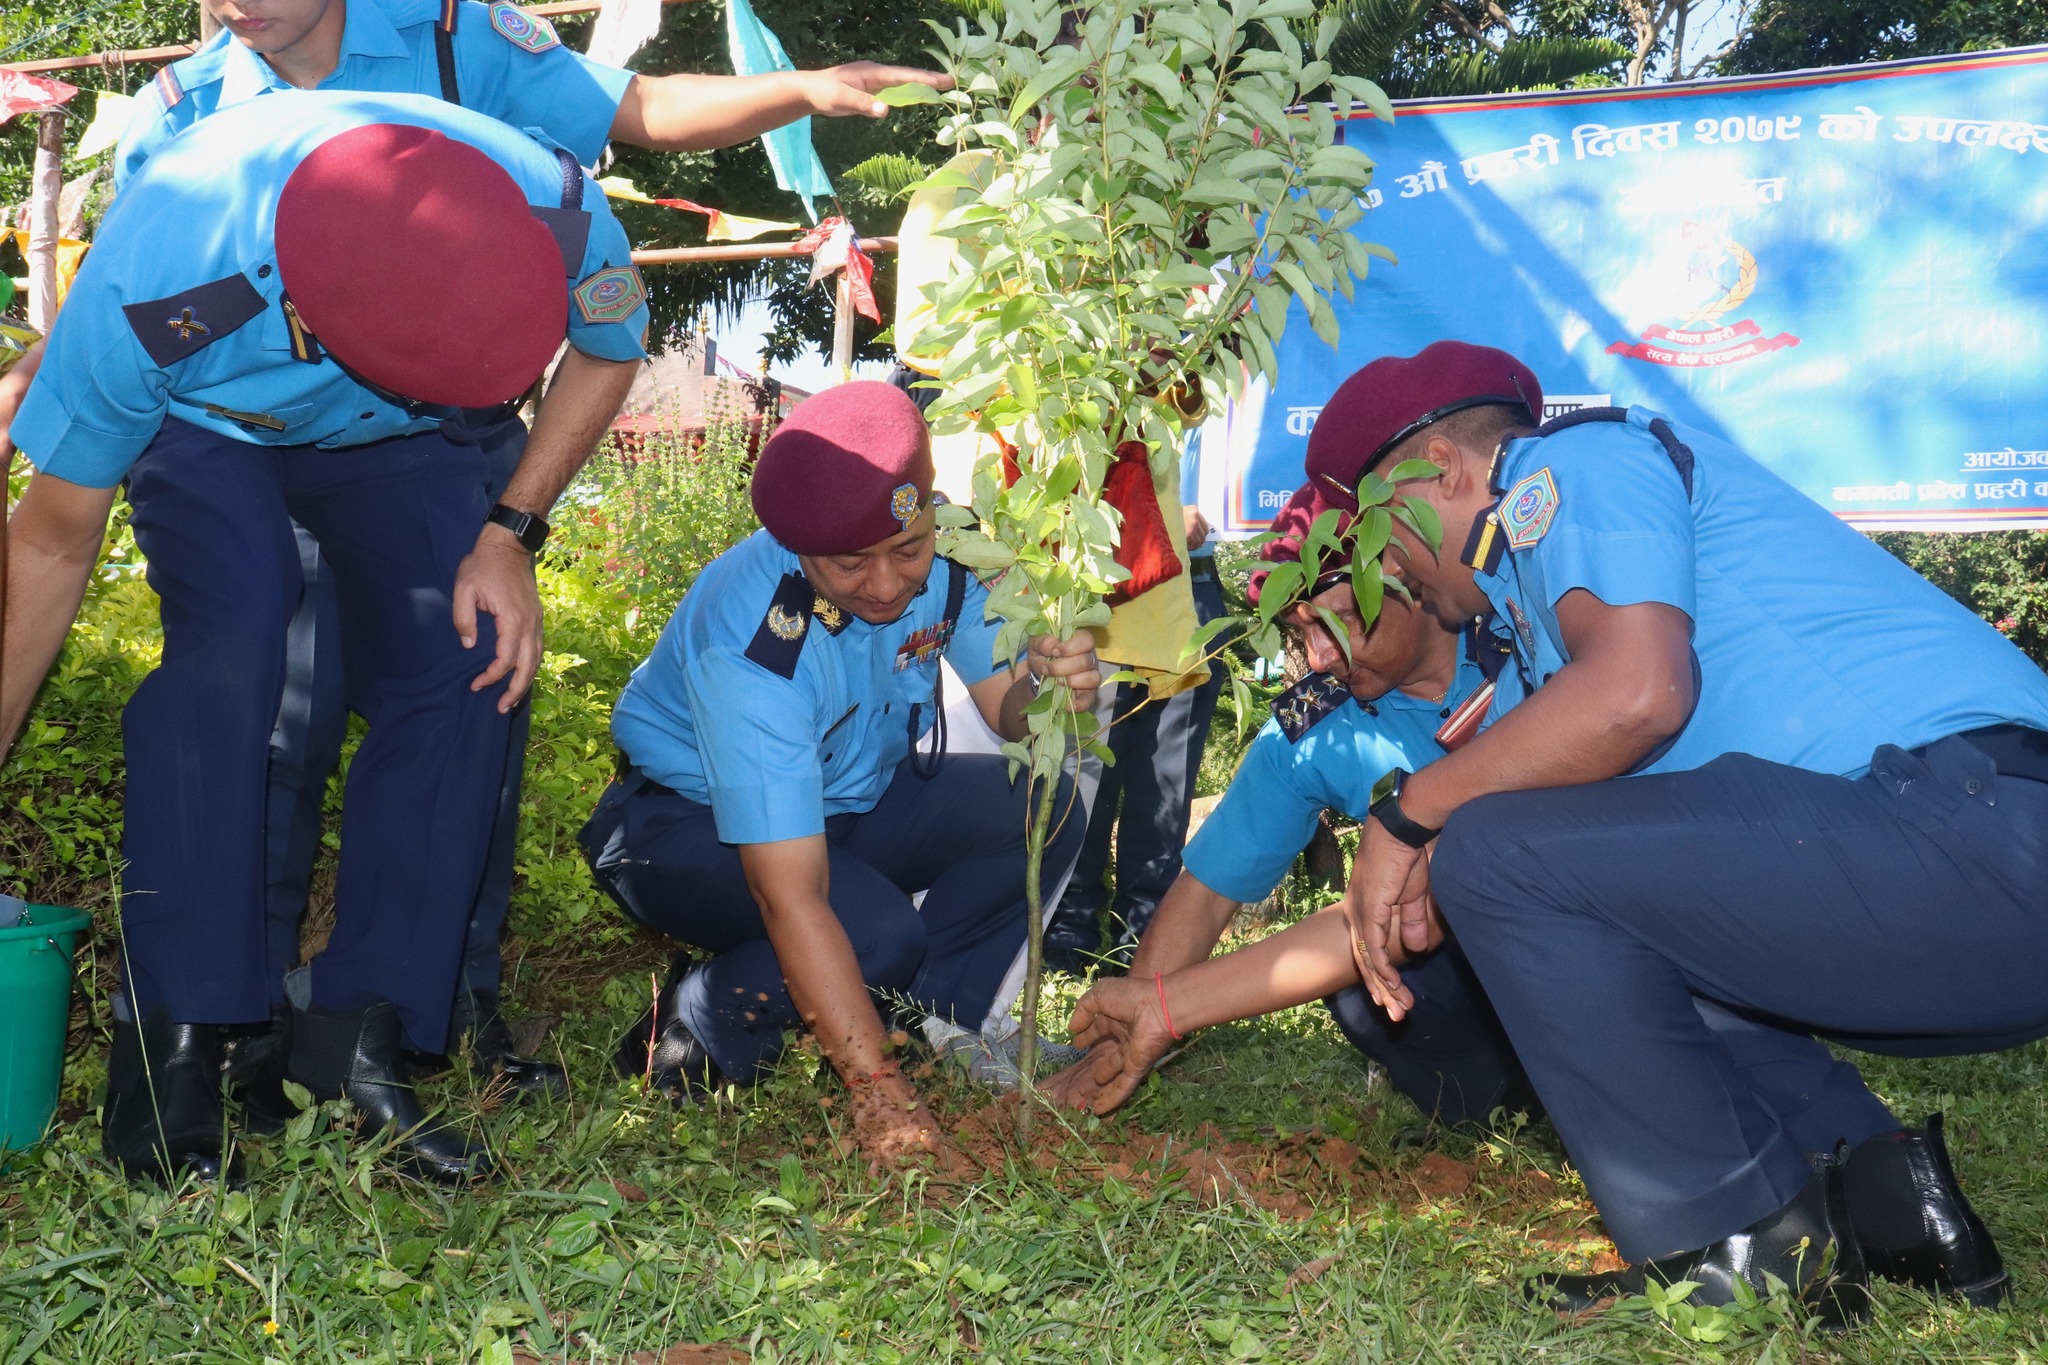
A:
[42,221]
[842,326]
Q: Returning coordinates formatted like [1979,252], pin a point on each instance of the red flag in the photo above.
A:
[24,94]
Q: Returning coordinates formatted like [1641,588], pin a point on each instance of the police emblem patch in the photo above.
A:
[903,504]
[785,626]
[1527,509]
[529,31]
[610,295]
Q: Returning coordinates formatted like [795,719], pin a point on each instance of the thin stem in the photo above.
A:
[1034,941]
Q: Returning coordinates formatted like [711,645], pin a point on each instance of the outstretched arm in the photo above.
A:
[692,113]
[53,541]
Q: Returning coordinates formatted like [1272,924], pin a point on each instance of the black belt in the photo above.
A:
[2016,750]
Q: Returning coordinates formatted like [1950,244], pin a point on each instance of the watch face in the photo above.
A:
[1388,784]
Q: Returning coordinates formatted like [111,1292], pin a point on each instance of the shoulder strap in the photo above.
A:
[572,180]
[956,592]
[1678,451]
[168,87]
[444,50]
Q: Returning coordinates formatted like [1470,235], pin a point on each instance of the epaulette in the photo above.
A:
[1301,706]
[779,641]
[182,324]
[168,87]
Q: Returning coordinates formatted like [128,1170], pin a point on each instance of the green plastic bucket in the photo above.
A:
[35,1006]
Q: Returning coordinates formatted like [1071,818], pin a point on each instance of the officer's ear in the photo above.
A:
[1446,454]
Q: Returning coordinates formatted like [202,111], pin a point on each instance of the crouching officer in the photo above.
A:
[780,808]
[285,305]
[1401,691]
[1758,763]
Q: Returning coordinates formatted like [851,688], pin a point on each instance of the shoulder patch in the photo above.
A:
[175,327]
[168,88]
[529,31]
[1527,509]
[611,294]
[1301,706]
[779,641]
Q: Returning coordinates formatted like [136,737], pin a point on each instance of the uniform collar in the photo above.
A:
[366,32]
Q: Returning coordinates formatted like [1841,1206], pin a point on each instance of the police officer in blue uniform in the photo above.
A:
[1402,689]
[1767,786]
[782,799]
[283,310]
[504,62]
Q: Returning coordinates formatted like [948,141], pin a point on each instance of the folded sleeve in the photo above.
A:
[608,299]
[98,399]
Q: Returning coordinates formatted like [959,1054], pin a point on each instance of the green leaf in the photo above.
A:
[907,94]
[1338,631]
[1414,469]
[1283,584]
[1368,585]
[1427,525]
[1375,528]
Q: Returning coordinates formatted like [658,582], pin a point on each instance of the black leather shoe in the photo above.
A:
[1807,1244]
[660,1048]
[252,1062]
[353,1055]
[1912,1221]
[163,1117]
[1073,938]
[492,1056]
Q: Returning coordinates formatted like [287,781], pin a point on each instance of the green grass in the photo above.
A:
[624,1225]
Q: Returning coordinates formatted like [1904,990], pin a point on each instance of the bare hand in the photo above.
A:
[1196,525]
[1391,914]
[850,89]
[497,577]
[893,1128]
[1119,1022]
[1070,661]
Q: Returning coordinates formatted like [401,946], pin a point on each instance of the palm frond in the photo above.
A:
[1547,63]
[887,177]
[1373,33]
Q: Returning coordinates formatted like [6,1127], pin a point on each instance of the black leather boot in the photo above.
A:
[492,1056]
[1912,1221]
[679,1067]
[252,1062]
[1073,938]
[353,1055]
[1807,1244]
[163,1117]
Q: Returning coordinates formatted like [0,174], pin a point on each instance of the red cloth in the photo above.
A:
[1146,546]
[848,469]
[1395,396]
[24,94]
[418,263]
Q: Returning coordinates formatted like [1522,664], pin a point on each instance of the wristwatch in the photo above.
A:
[531,530]
[1386,808]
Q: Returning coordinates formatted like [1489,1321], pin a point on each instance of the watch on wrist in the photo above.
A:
[531,530]
[1386,808]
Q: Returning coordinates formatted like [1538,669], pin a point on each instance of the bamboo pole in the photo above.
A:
[842,325]
[740,251]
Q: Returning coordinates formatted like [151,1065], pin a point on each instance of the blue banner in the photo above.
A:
[1843,271]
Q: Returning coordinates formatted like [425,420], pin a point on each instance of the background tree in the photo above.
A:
[1436,48]
[1786,35]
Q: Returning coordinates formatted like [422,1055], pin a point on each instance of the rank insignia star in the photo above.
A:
[1301,706]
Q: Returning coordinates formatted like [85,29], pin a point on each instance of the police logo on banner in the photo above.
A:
[529,31]
[1528,508]
[610,295]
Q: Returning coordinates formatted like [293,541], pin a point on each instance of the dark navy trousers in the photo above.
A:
[957,836]
[1158,748]
[1666,950]
[214,518]
[1449,1055]
[312,721]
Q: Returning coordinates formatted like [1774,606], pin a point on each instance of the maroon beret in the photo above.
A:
[1396,396]
[416,261]
[847,469]
[1290,529]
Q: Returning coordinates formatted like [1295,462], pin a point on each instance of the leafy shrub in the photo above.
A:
[2000,575]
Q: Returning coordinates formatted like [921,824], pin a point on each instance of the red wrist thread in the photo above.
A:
[1159,980]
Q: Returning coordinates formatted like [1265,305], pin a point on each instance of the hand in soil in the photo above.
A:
[893,1129]
[1118,1021]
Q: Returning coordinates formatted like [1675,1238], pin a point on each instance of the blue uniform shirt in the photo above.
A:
[200,213]
[771,753]
[387,46]
[1814,645]
[1245,846]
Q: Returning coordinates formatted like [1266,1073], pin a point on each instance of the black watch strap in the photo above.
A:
[531,530]
[1386,808]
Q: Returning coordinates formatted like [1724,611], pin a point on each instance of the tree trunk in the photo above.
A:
[42,221]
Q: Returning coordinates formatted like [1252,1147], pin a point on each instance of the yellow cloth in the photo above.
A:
[110,113]
[70,252]
[1145,634]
